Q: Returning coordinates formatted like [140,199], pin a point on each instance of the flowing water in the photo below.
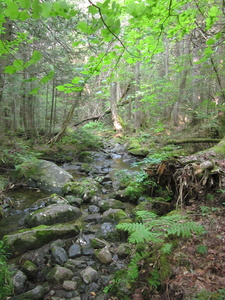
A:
[22,199]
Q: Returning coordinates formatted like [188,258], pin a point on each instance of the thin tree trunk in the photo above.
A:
[114,110]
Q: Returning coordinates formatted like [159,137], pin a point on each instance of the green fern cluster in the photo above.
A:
[156,231]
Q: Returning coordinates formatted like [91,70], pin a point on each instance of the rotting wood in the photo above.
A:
[188,178]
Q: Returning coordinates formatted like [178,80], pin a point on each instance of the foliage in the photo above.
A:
[5,276]
[156,233]
[83,139]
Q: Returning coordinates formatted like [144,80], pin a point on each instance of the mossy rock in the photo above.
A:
[114,215]
[110,203]
[85,189]
[34,238]
[142,152]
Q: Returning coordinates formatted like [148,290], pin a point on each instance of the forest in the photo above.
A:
[128,96]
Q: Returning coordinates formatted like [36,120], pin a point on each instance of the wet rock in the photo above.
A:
[34,238]
[35,294]
[74,251]
[59,274]
[46,175]
[110,203]
[89,275]
[30,269]
[59,254]
[19,281]
[114,215]
[55,213]
[105,256]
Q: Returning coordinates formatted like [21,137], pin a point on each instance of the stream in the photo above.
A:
[101,164]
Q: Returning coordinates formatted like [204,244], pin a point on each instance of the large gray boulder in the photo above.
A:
[45,175]
[34,238]
[52,214]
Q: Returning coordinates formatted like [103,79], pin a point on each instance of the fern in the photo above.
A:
[185,229]
[133,272]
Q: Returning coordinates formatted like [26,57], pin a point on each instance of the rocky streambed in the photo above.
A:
[68,246]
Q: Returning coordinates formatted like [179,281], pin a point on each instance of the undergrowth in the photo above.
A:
[154,238]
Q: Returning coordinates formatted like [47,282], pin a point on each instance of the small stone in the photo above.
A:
[89,275]
[74,251]
[105,256]
[69,285]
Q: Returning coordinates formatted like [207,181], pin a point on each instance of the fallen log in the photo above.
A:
[197,140]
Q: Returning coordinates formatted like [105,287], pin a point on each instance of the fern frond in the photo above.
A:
[132,272]
[130,227]
[185,229]
[167,248]
[144,235]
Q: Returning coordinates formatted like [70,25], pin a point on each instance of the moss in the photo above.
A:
[165,268]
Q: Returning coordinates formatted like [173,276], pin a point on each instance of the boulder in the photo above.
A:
[45,175]
[34,238]
[59,274]
[111,203]
[105,256]
[114,215]
[55,213]
[89,275]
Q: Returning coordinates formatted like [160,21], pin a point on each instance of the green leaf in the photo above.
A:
[76,80]
[9,70]
[47,9]
[214,11]
[48,77]
[34,91]
[210,42]
[12,10]
[93,10]
[25,4]
[36,56]
[37,9]
[83,26]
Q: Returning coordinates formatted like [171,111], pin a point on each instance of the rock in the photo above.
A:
[46,175]
[59,274]
[35,294]
[89,275]
[98,243]
[74,264]
[93,218]
[34,238]
[93,209]
[74,201]
[52,214]
[69,285]
[74,251]
[123,250]
[110,203]
[105,256]
[59,255]
[30,269]
[114,215]
[108,231]
[85,189]
[142,152]
[87,249]
[19,281]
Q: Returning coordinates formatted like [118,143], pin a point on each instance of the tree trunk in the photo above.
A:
[114,110]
